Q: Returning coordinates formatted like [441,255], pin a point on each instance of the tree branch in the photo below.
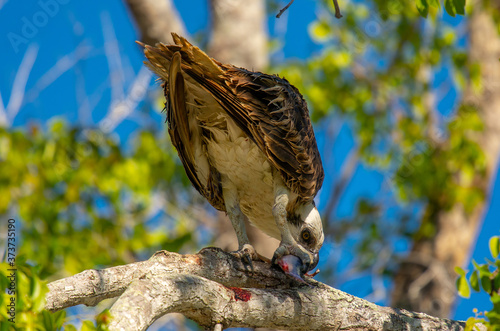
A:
[8,112]
[213,287]
[156,20]
[337,9]
[340,185]
[284,8]
[239,34]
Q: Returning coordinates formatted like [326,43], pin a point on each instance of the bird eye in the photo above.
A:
[306,235]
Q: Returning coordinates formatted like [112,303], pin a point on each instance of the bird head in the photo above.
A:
[307,230]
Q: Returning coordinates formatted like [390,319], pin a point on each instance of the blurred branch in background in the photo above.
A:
[19,96]
[63,65]
[239,33]
[122,103]
[122,108]
[338,187]
[9,112]
[156,20]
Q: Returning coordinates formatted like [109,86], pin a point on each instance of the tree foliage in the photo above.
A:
[484,277]
[377,71]
[96,196]
[97,209]
[383,87]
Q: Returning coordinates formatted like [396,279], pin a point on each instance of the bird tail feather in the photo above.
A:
[192,59]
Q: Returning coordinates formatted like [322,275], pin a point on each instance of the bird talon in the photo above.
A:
[246,254]
[248,261]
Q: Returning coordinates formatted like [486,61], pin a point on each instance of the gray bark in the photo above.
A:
[239,34]
[214,289]
[156,20]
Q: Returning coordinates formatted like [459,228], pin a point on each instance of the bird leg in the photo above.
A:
[288,245]
[245,251]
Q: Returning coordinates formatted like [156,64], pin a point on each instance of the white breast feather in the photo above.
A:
[242,165]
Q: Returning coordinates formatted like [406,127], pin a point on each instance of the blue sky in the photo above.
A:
[76,25]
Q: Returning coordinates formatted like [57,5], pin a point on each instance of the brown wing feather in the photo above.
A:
[267,108]
[275,116]
[280,116]
[180,135]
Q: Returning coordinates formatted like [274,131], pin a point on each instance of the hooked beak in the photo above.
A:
[294,267]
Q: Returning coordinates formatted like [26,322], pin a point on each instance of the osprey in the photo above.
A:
[247,145]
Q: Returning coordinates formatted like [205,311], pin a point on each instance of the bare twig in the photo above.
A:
[19,96]
[284,8]
[19,87]
[85,101]
[121,105]
[335,3]
[120,109]
[60,67]
[337,9]
[113,57]
[345,177]
[3,113]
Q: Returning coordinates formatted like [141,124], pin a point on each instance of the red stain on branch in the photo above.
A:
[241,294]
[193,258]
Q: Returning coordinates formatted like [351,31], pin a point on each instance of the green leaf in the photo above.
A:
[88,326]
[320,30]
[48,321]
[436,4]
[494,314]
[477,266]
[103,319]
[460,271]
[423,7]
[474,281]
[469,324]
[463,287]
[59,317]
[450,9]
[460,59]
[486,283]
[496,283]
[494,246]
[459,6]
[454,7]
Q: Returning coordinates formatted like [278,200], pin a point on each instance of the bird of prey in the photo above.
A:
[247,145]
